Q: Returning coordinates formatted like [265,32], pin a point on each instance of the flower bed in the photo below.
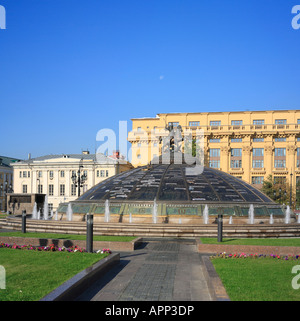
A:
[242,255]
[50,248]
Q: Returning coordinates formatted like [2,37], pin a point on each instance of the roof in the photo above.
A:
[99,157]
[6,161]
[171,183]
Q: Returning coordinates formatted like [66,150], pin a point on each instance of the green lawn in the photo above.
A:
[261,279]
[30,275]
[70,236]
[250,241]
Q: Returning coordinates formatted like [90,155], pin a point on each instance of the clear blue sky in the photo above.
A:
[69,68]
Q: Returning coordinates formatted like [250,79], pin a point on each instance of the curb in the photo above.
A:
[215,285]
[69,290]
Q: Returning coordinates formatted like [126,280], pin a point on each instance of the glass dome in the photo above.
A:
[137,191]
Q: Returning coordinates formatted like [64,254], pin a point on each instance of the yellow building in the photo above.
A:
[249,145]
[52,175]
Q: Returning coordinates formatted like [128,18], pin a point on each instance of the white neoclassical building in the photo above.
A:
[54,175]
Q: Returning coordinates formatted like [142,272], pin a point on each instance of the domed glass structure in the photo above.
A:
[168,190]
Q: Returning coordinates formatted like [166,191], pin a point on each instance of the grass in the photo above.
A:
[261,279]
[30,275]
[252,241]
[69,236]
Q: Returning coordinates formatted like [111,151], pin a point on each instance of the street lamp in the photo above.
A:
[79,179]
[6,189]
[291,189]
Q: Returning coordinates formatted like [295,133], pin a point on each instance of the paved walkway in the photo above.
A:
[159,270]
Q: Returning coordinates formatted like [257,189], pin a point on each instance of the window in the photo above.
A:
[24,188]
[236,152]
[214,163]
[214,152]
[236,140]
[279,139]
[24,174]
[138,156]
[298,121]
[51,174]
[214,140]
[236,163]
[256,140]
[139,129]
[20,174]
[40,174]
[62,174]
[215,123]
[62,190]
[73,190]
[280,121]
[257,180]
[50,207]
[40,189]
[106,173]
[84,188]
[174,124]
[258,152]
[194,123]
[236,122]
[28,173]
[279,163]
[280,180]
[258,122]
[279,152]
[102,172]
[51,190]
[257,163]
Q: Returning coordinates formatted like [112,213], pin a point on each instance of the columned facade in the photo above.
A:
[250,145]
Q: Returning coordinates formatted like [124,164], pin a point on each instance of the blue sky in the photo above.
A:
[69,68]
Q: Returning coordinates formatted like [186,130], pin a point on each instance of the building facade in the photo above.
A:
[250,145]
[54,175]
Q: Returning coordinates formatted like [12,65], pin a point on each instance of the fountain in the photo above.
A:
[56,218]
[34,211]
[298,220]
[39,214]
[46,210]
[51,214]
[271,219]
[69,212]
[130,218]
[205,215]
[251,214]
[179,220]
[287,219]
[154,212]
[230,220]
[106,213]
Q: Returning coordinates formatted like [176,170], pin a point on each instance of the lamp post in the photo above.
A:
[291,189]
[79,179]
[5,189]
